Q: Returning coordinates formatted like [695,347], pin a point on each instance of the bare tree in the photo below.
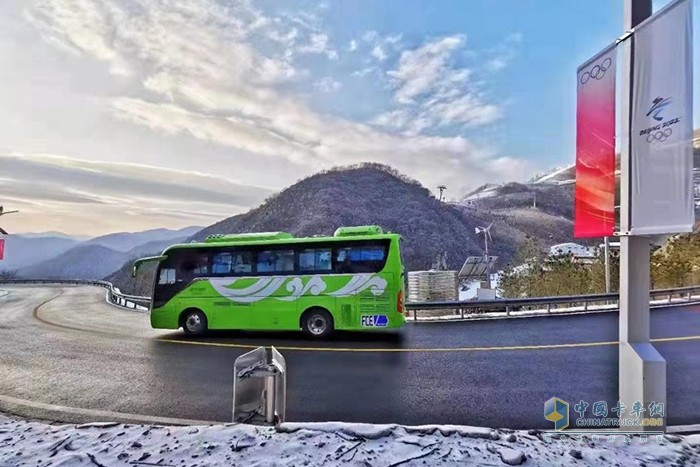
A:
[8,274]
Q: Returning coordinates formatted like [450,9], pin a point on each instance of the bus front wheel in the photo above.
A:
[194,322]
[317,323]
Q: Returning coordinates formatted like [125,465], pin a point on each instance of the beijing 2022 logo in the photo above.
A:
[661,132]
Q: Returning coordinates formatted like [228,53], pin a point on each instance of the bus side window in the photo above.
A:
[222,263]
[343,264]
[360,259]
[242,262]
[167,276]
[315,259]
[194,265]
[276,261]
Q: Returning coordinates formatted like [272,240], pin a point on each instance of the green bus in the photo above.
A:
[274,281]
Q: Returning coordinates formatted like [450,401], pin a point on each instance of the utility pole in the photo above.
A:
[487,235]
[642,370]
[488,263]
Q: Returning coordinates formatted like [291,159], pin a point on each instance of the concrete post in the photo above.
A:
[270,398]
[642,372]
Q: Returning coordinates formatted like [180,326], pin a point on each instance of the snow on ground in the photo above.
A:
[482,194]
[325,444]
[553,174]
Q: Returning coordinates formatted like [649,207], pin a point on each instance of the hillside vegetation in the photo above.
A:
[675,264]
[377,194]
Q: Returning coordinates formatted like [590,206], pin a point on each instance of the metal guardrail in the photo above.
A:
[114,295]
[558,304]
[468,309]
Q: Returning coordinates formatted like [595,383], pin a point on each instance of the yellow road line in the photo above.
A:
[356,349]
[437,349]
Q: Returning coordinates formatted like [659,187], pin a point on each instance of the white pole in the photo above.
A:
[606,248]
[642,370]
[488,263]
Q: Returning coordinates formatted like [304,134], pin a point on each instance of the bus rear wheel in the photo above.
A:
[317,323]
[194,323]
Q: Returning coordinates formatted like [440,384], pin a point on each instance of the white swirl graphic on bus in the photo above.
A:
[362,282]
[297,288]
[264,287]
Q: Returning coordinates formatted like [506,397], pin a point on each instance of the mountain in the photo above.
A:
[90,261]
[22,250]
[82,262]
[79,238]
[377,194]
[554,199]
[155,247]
[125,241]
[49,258]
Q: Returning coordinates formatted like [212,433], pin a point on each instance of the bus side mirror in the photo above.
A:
[140,261]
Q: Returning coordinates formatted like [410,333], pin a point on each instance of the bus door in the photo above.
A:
[233,288]
[166,286]
[176,276]
[370,302]
[274,308]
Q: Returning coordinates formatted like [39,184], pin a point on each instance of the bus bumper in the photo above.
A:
[164,319]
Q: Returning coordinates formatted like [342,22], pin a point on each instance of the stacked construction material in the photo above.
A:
[432,286]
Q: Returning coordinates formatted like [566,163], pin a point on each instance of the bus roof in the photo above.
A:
[283,238]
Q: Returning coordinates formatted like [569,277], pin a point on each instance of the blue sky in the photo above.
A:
[148,113]
[537,86]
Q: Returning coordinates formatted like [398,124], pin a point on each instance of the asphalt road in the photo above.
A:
[66,346]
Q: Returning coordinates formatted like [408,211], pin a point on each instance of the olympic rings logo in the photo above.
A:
[659,136]
[597,72]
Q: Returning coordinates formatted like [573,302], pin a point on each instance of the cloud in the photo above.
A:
[101,192]
[504,53]
[318,44]
[352,46]
[327,84]
[198,70]
[378,53]
[91,180]
[432,91]
[426,68]
[365,71]
[381,47]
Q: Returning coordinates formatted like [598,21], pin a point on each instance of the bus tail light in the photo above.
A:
[399,302]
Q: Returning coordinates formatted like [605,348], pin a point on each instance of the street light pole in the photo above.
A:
[642,370]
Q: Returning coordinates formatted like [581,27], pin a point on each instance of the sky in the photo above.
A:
[123,115]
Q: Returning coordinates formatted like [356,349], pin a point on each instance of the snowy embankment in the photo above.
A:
[106,444]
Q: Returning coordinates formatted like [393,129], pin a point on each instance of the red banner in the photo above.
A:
[2,248]
[594,202]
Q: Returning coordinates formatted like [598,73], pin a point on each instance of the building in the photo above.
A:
[579,252]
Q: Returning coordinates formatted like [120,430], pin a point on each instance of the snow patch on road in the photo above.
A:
[327,444]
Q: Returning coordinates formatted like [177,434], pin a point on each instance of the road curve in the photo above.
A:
[67,347]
